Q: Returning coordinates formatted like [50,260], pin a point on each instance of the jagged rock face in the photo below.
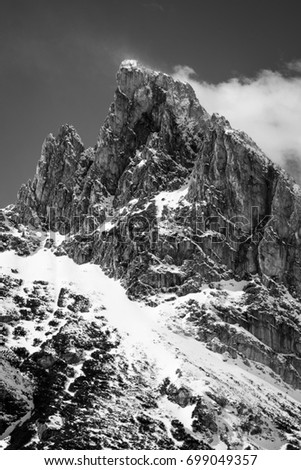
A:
[72,182]
[274,326]
[238,214]
[149,113]
[65,190]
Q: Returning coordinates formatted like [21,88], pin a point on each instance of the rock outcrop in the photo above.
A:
[16,393]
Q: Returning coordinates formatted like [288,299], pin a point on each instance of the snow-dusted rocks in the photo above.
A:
[123,375]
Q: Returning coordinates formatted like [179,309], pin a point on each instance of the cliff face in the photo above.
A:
[65,185]
[171,201]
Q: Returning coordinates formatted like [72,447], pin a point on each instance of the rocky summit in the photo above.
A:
[151,285]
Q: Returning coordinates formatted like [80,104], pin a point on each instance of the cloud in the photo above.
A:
[267,107]
[295,66]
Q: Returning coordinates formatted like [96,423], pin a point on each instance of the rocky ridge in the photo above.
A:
[239,211]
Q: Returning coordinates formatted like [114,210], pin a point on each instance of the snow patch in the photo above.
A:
[171,199]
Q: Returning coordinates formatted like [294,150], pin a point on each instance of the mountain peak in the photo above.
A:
[133,64]
[133,76]
[129,63]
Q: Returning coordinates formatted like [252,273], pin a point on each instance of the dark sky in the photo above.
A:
[59,59]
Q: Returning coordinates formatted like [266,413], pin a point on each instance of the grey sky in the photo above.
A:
[59,59]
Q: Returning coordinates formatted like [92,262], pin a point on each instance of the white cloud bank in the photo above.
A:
[267,107]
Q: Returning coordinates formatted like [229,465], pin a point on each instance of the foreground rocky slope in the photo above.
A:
[96,370]
[202,230]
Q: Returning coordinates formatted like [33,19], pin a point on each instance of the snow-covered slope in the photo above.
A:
[198,396]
